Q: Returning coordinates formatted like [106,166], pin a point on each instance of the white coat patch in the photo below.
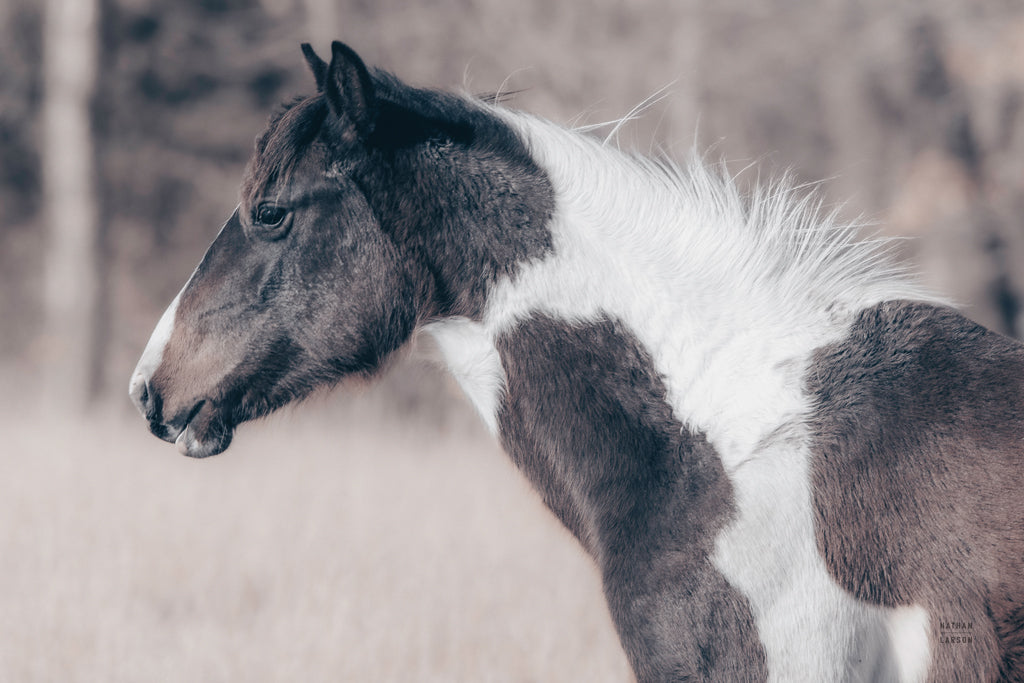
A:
[470,355]
[908,634]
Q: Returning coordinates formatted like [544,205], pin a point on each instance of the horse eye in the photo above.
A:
[269,215]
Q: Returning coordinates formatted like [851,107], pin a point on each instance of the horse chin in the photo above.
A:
[205,435]
[192,446]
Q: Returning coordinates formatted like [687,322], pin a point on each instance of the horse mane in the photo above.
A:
[781,232]
[777,236]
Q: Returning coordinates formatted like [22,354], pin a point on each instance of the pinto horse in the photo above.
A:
[788,462]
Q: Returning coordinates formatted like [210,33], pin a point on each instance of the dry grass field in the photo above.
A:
[326,545]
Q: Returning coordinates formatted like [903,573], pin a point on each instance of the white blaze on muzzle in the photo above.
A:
[153,354]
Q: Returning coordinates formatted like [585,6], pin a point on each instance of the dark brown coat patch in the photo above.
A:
[917,478]
[587,420]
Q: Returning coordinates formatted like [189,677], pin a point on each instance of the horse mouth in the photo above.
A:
[202,433]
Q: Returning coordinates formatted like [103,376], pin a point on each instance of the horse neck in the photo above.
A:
[467,203]
[730,300]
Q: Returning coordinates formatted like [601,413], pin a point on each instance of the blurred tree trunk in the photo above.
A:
[71,291]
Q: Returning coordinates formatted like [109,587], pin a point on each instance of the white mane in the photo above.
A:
[777,237]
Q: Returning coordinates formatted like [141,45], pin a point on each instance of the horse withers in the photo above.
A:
[788,462]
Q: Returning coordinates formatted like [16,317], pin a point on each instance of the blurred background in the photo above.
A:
[378,534]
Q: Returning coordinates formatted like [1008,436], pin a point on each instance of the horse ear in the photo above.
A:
[349,91]
[316,65]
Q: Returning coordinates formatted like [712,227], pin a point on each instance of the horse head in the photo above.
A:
[301,287]
[366,210]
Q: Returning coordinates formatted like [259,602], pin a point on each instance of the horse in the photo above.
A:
[788,461]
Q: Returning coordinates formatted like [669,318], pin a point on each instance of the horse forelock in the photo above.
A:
[289,134]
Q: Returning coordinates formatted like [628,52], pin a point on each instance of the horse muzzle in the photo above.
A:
[198,432]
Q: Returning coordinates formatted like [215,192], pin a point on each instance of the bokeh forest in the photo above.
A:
[384,521]
[910,112]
